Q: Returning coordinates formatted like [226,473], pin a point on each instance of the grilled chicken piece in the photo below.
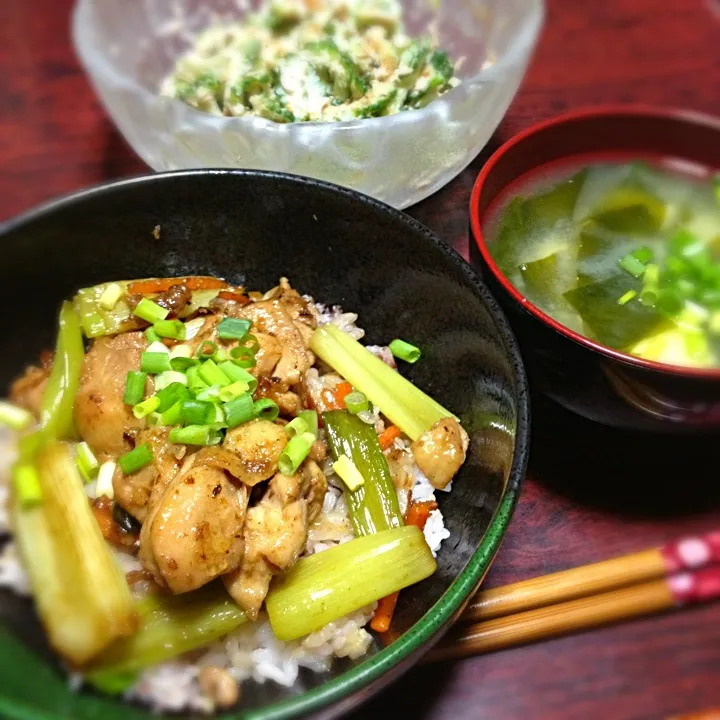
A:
[136,493]
[101,416]
[275,534]
[27,391]
[440,451]
[257,444]
[284,315]
[268,354]
[194,532]
[277,390]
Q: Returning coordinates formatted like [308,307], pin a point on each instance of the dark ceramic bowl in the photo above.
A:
[341,247]
[584,376]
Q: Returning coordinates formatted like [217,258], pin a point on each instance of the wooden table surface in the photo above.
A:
[589,495]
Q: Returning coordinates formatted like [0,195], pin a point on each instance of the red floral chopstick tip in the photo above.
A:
[698,586]
[690,553]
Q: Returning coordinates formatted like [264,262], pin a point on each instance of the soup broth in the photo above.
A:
[625,254]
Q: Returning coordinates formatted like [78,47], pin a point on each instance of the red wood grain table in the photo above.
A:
[592,493]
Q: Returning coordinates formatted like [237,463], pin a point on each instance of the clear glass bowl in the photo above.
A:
[128,47]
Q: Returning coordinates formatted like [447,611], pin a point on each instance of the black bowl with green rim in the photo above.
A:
[342,248]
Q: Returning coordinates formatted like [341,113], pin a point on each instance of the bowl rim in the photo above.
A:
[683,116]
[521,42]
[406,649]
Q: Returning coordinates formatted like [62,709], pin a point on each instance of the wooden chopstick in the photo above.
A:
[688,570]
[685,554]
[564,618]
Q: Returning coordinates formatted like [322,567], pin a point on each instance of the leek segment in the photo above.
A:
[373,505]
[330,584]
[169,626]
[59,398]
[406,406]
[81,595]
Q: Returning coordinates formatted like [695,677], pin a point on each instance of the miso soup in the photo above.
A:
[625,254]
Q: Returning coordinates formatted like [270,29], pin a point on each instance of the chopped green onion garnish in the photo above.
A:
[643,254]
[182,350]
[195,412]
[195,382]
[235,373]
[171,394]
[652,275]
[158,347]
[195,435]
[220,356]
[13,416]
[242,356]
[86,461]
[150,311]
[213,375]
[667,301]
[170,377]
[266,409]
[26,484]
[218,420]
[649,296]
[110,296]
[627,297]
[254,344]
[232,391]
[239,410]
[348,472]
[685,244]
[207,349]
[134,387]
[154,419]
[241,353]
[154,362]
[181,364]
[104,484]
[173,415]
[298,426]
[631,265]
[174,329]
[311,419]
[404,351]
[151,335]
[294,453]
[356,402]
[136,459]
[146,407]
[233,328]
[209,394]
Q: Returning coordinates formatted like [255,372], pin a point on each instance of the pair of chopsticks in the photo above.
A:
[683,572]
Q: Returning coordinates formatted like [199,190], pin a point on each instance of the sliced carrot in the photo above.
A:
[330,401]
[155,285]
[235,297]
[341,392]
[383,615]
[387,437]
[417,514]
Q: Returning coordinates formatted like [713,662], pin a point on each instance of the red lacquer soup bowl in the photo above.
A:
[589,378]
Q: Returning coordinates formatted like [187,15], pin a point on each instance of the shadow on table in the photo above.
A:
[622,471]
[412,696]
